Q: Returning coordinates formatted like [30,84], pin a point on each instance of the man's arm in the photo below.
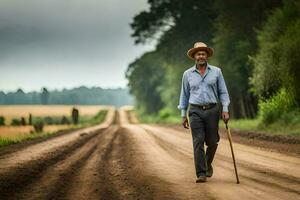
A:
[223,96]
[184,99]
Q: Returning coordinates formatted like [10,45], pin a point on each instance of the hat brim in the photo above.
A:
[192,51]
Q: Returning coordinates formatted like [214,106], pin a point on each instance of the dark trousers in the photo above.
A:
[204,125]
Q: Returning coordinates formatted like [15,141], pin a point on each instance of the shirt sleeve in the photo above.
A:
[184,95]
[223,93]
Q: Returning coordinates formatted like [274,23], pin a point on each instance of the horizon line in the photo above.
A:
[56,89]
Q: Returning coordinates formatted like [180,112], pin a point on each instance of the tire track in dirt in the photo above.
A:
[111,173]
[91,181]
[21,168]
[159,181]
[262,176]
[56,179]
[254,177]
[36,151]
[137,161]
[100,165]
[123,178]
[16,178]
[171,147]
[258,175]
[167,170]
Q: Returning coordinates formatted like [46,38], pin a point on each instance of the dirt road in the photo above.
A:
[120,160]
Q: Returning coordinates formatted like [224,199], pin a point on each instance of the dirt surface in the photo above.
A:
[123,160]
[289,145]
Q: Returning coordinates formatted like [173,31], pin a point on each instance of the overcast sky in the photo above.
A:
[66,43]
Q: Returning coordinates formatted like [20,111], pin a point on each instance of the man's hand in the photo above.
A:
[185,122]
[225,117]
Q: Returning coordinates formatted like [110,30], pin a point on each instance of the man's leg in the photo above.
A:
[210,153]
[211,134]
[198,134]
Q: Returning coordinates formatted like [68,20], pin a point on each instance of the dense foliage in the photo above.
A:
[255,44]
[277,63]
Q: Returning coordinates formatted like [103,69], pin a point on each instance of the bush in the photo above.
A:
[48,120]
[276,63]
[65,120]
[38,126]
[2,121]
[52,120]
[275,107]
[291,118]
[16,122]
[164,113]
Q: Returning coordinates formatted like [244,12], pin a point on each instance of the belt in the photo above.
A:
[204,107]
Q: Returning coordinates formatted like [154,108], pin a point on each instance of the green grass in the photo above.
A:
[97,119]
[9,141]
[255,125]
[287,125]
[84,122]
[159,120]
[242,124]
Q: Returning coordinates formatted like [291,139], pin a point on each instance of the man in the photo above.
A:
[203,86]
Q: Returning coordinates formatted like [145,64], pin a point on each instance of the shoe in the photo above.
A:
[209,171]
[201,178]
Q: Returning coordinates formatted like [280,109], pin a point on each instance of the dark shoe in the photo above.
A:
[209,171]
[201,178]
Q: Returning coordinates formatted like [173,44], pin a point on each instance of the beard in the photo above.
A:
[201,63]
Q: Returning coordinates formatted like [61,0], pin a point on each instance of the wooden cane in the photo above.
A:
[233,158]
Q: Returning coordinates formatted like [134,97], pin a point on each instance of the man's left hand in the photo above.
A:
[225,117]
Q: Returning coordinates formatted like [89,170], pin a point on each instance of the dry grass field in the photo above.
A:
[13,132]
[18,111]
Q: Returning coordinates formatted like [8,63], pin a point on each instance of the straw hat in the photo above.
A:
[197,47]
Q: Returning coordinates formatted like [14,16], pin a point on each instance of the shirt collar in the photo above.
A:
[195,68]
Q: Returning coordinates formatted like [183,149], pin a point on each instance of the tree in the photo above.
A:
[45,96]
[145,77]
[176,25]
[234,41]
[276,72]
[230,27]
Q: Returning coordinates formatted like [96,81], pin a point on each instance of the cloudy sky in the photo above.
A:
[66,43]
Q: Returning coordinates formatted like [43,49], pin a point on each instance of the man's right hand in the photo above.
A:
[185,122]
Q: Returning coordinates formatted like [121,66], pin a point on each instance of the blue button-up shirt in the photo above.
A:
[202,90]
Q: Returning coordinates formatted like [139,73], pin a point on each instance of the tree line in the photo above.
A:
[81,95]
[256,45]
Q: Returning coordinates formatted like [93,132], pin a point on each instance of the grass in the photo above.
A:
[18,111]
[281,127]
[156,119]
[98,118]
[4,141]
[255,125]
[9,141]
[17,131]
[242,124]
[84,122]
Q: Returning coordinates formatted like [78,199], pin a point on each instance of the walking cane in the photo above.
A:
[230,142]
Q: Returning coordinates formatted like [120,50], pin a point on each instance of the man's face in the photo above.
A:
[200,57]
